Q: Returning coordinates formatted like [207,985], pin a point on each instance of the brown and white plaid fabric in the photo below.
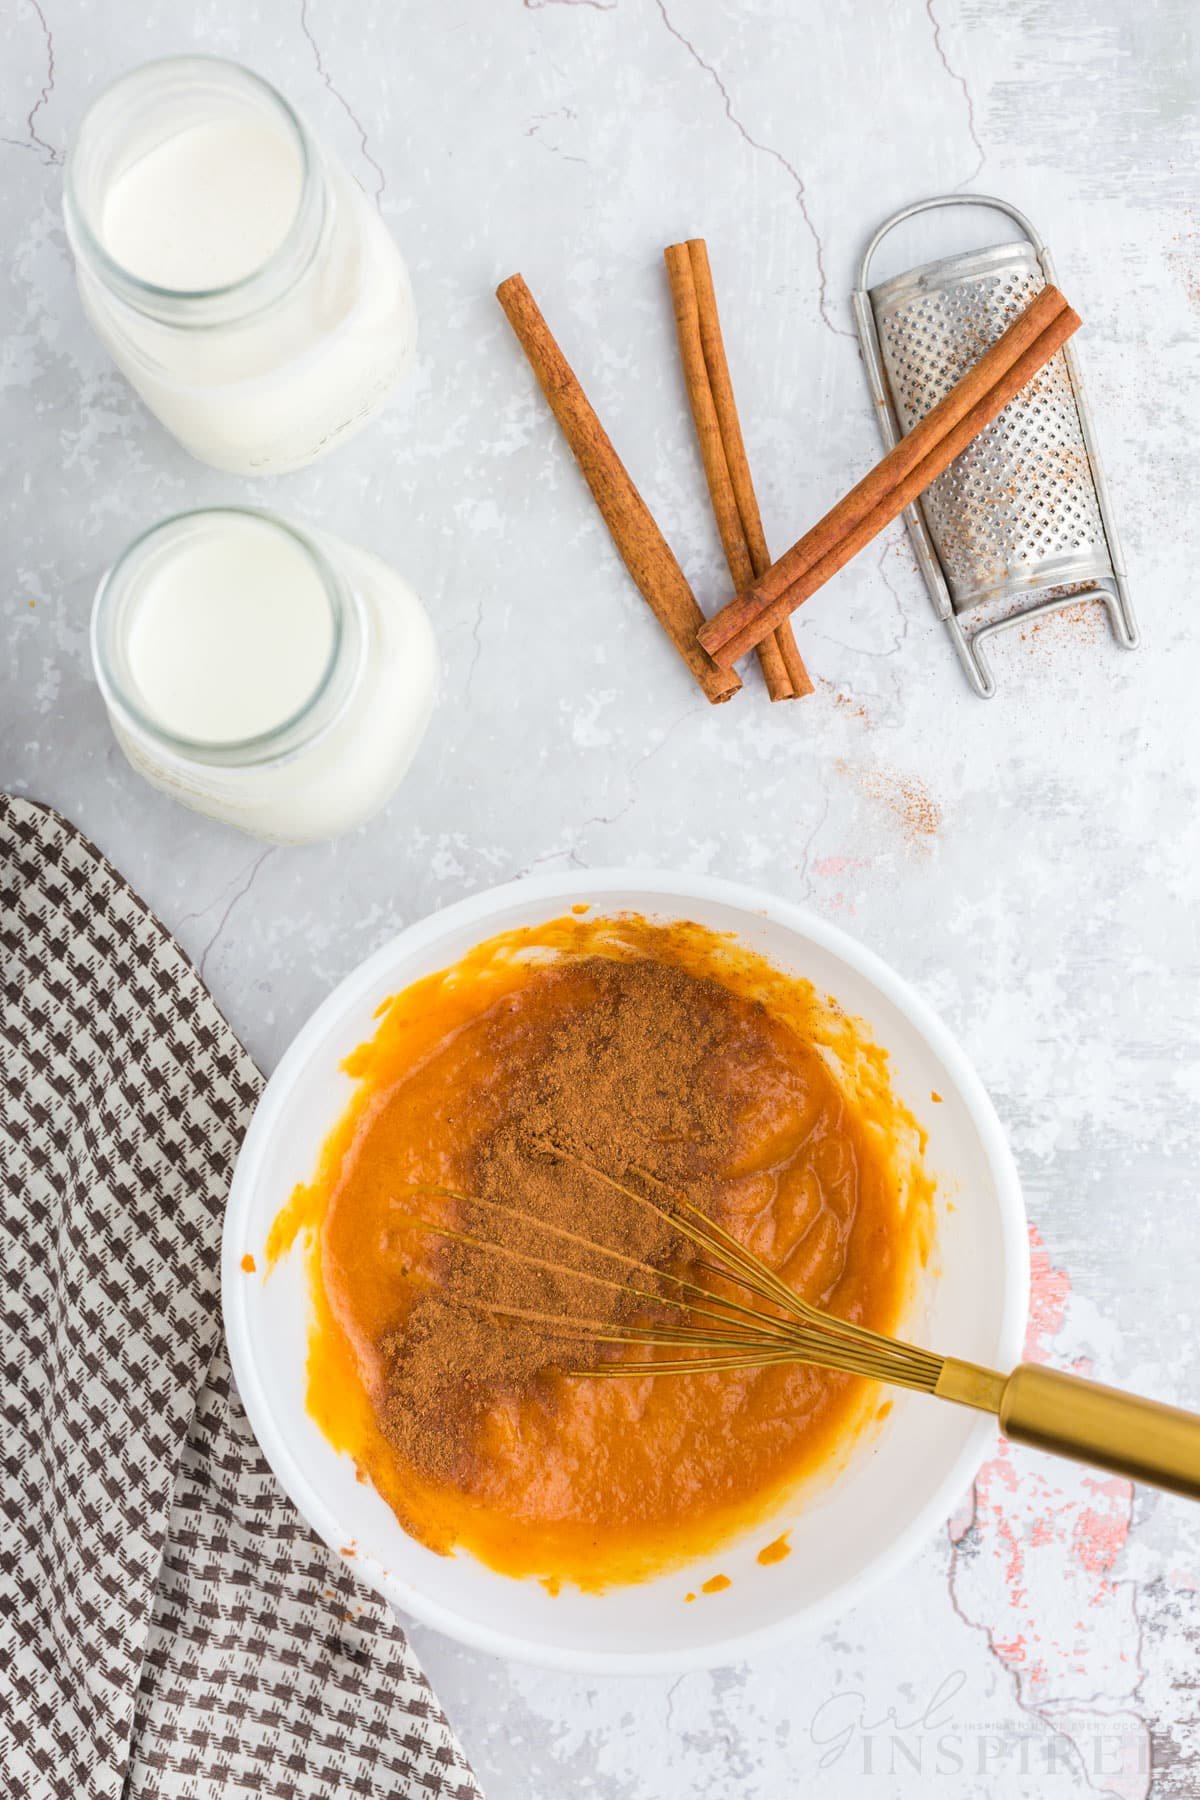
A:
[169,1626]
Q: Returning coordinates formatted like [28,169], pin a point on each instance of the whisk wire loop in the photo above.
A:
[718,1332]
[711,1332]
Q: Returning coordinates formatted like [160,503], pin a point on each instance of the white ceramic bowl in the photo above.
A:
[901,1482]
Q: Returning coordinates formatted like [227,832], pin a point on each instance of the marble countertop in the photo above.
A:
[1030,863]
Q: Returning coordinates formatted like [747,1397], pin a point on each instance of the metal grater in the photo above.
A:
[1020,523]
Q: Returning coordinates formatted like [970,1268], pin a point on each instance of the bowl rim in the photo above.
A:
[592,884]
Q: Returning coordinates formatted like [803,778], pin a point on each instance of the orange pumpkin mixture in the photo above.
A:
[625,1044]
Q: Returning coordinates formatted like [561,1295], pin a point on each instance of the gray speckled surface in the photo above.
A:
[1031,864]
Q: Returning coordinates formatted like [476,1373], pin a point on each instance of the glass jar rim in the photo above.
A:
[233,299]
[316,715]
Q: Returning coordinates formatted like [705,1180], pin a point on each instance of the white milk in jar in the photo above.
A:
[234,271]
[268,677]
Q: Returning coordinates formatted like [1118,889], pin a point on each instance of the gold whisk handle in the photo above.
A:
[1069,1416]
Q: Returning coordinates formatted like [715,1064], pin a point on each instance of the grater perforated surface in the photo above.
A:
[1018,508]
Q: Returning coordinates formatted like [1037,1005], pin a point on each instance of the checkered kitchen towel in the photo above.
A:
[168,1625]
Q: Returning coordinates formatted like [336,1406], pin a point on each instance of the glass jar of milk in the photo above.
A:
[233,270]
[270,678]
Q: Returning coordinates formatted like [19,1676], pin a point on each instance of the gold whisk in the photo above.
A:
[1046,1408]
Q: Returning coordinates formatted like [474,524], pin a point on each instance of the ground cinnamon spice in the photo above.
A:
[631,1077]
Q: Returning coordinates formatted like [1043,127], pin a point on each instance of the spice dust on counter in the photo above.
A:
[843,699]
[908,800]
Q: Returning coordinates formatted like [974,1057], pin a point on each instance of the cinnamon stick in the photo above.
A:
[642,547]
[723,452]
[917,460]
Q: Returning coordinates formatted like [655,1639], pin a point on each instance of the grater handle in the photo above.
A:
[940,200]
